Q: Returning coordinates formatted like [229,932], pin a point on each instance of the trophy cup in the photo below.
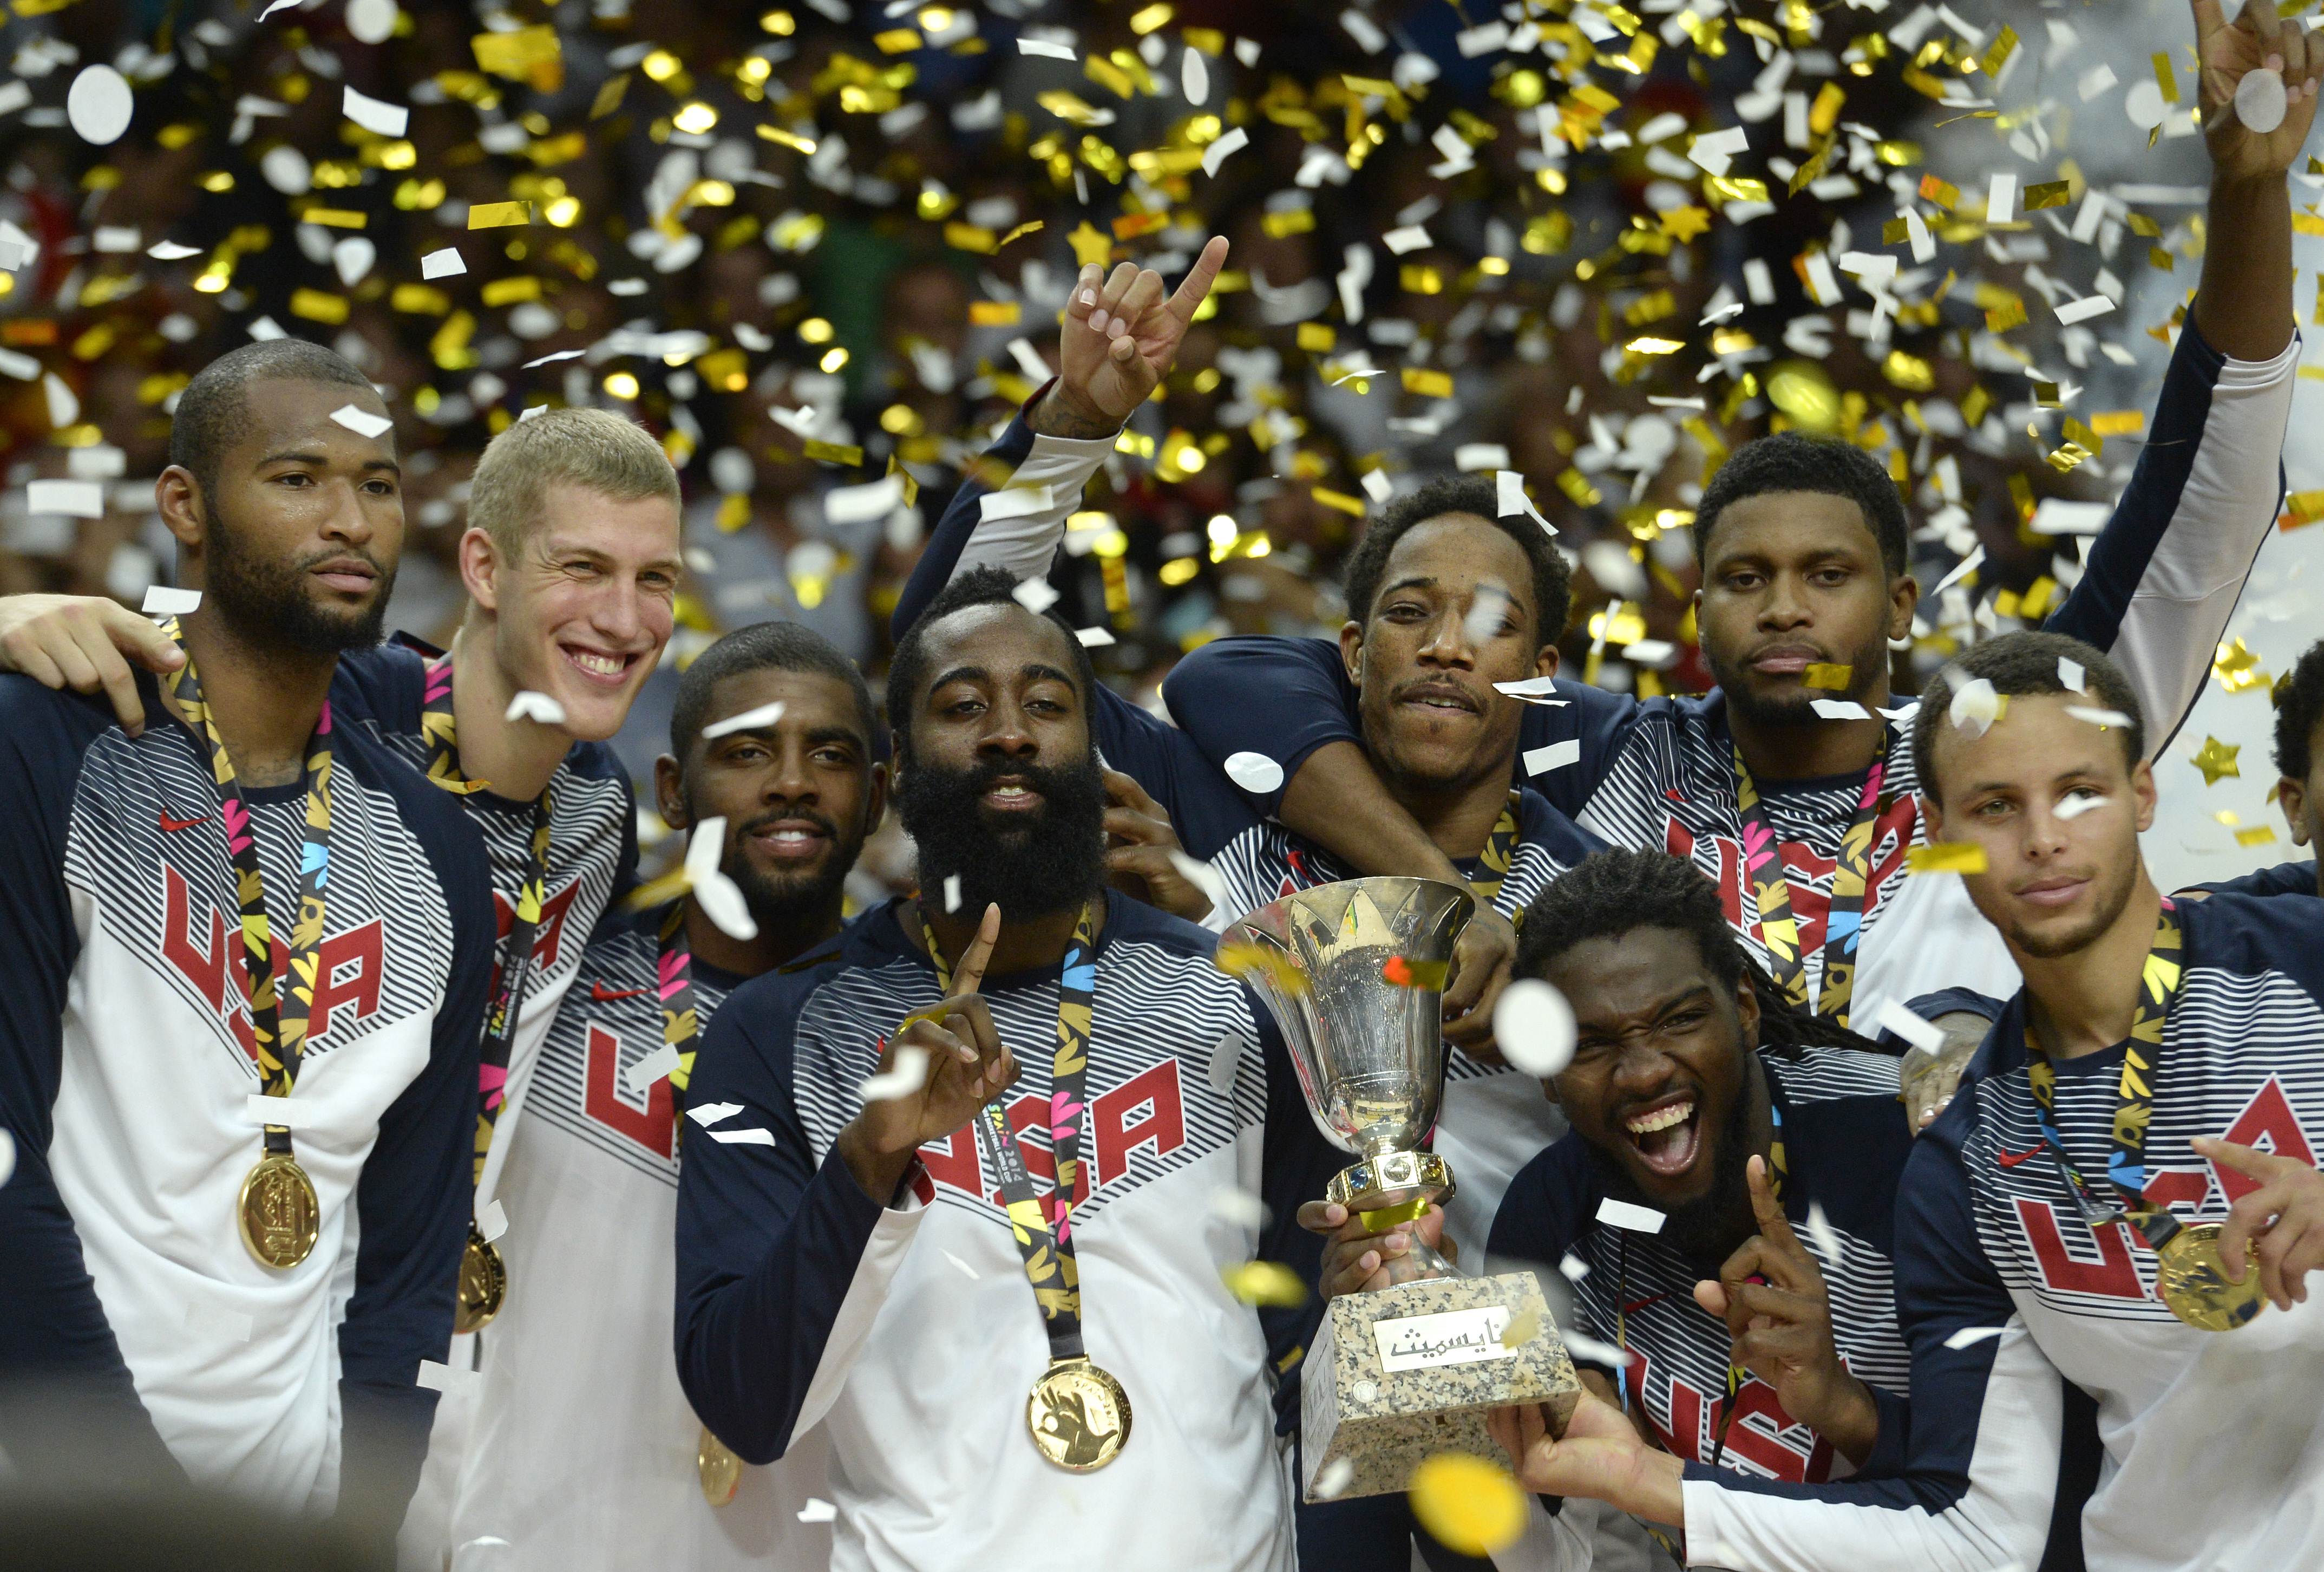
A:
[1354,974]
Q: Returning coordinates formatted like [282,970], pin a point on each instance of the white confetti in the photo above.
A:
[1975,708]
[552,358]
[1840,709]
[1201,875]
[363,423]
[966,1270]
[1826,1237]
[1510,497]
[161,600]
[2097,716]
[2000,199]
[1335,1477]
[371,21]
[2144,104]
[1410,237]
[1094,638]
[492,1221]
[1532,690]
[1625,1214]
[1483,620]
[2260,100]
[1363,29]
[443,1377]
[1194,77]
[908,1076]
[374,114]
[1254,772]
[1035,594]
[766,714]
[1235,140]
[714,891]
[709,1113]
[1574,1268]
[78,499]
[1469,457]
[1551,756]
[1581,1345]
[1909,1027]
[952,892]
[1238,1207]
[2083,309]
[656,1065]
[2071,675]
[444,263]
[99,106]
[170,251]
[1534,1027]
[1044,48]
[1969,1336]
[817,1510]
[534,706]
[64,405]
[2073,807]
[755,1137]
[352,258]
[7,1156]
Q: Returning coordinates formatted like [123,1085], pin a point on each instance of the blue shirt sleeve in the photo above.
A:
[53,1331]
[769,1240]
[2283,879]
[1204,808]
[414,1194]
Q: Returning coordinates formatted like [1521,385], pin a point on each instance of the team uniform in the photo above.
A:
[129,1069]
[390,691]
[1664,775]
[583,1447]
[910,1334]
[2212,1457]
[2282,879]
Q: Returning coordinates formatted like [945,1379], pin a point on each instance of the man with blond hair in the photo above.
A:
[571,564]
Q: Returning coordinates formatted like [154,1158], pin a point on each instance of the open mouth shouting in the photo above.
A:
[1667,1134]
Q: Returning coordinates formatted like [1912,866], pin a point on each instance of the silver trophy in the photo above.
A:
[1354,974]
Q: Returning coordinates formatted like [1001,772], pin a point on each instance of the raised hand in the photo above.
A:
[1771,1295]
[2285,1216]
[2256,41]
[962,1066]
[1118,340]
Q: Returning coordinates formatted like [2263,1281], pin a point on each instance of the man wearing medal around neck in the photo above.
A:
[239,1190]
[2124,1196]
[584,1451]
[895,1262]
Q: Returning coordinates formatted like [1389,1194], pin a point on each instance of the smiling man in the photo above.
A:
[2123,1197]
[993,1277]
[772,748]
[1804,821]
[248,955]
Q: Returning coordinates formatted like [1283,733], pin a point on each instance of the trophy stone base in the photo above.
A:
[1398,1376]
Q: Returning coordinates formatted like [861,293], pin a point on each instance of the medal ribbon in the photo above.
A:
[675,976]
[437,729]
[1763,860]
[1046,1244]
[2134,1097]
[279,1035]
[1500,851]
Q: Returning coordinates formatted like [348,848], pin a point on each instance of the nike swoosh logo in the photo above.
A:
[600,994]
[2011,1159]
[174,824]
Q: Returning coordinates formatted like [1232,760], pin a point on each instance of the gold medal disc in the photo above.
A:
[721,1469]
[1079,1416]
[483,1284]
[279,1213]
[2191,1277]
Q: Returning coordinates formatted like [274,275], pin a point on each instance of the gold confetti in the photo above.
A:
[336,217]
[2216,760]
[317,306]
[1471,1505]
[499,215]
[1405,972]
[2258,834]
[1246,959]
[2048,194]
[2119,423]
[2302,507]
[833,452]
[1829,675]
[1522,1330]
[1430,384]
[530,54]
[2238,668]
[1265,1282]
[1946,857]
[994,313]
[1354,505]
[1089,246]
[1316,338]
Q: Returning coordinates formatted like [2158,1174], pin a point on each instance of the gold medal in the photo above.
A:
[279,1213]
[1079,1416]
[483,1284]
[2190,1277]
[721,1470]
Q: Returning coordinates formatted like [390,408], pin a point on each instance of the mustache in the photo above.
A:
[767,821]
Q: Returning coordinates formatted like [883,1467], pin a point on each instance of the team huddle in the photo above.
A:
[384,1148]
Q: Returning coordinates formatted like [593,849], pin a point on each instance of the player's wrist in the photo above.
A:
[1065,412]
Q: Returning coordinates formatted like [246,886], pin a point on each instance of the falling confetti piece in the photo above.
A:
[1533,1026]
[2261,101]
[1826,1237]
[2216,760]
[526,705]
[363,423]
[907,1076]
[1970,1336]
[1945,858]
[1628,1215]
[442,263]
[1264,1282]
[758,720]
[1251,960]
[1471,1506]
[817,1510]
[1522,1330]
[1405,973]
[1828,675]
[1915,1029]
[716,894]
[161,600]
[99,106]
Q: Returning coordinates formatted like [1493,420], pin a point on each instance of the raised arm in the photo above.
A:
[2168,569]
[1119,339]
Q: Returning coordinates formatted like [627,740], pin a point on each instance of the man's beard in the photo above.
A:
[1867,670]
[783,902]
[1057,860]
[2108,906]
[266,601]
[1701,1228]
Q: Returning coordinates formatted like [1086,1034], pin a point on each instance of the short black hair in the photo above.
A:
[213,409]
[769,646]
[1461,493]
[2299,705]
[2026,664]
[1612,892]
[1794,461]
[909,669]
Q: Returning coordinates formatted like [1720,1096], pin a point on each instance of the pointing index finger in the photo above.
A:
[1197,284]
[969,976]
[1772,1224]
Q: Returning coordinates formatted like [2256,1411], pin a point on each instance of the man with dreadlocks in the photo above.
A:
[1722,1203]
